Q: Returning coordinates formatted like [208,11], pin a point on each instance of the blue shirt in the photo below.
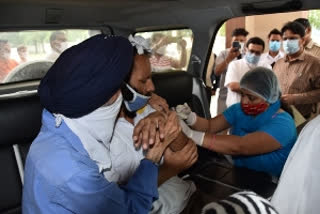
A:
[61,178]
[279,125]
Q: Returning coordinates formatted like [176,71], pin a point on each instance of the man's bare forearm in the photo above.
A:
[179,142]
[165,173]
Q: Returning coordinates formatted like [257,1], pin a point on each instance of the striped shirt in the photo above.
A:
[301,77]
[313,48]
[159,64]
[245,202]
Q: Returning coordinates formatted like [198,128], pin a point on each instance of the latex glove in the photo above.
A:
[184,112]
[196,136]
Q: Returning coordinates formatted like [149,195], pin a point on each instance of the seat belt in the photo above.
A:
[19,161]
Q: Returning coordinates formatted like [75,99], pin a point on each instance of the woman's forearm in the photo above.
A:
[225,144]
[251,144]
[213,125]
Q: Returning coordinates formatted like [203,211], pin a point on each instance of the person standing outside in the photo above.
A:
[224,59]
[274,53]
[6,64]
[159,61]
[236,69]
[23,53]
[298,72]
[58,44]
[309,45]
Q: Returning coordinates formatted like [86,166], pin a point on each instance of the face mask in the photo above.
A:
[254,109]
[95,131]
[291,46]
[103,120]
[99,123]
[252,58]
[274,46]
[63,46]
[137,102]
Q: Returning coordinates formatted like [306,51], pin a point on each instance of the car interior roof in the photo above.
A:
[128,16]
[136,14]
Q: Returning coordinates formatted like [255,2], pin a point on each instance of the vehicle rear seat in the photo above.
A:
[178,87]
[20,123]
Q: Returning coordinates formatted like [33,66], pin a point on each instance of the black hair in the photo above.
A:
[304,22]
[239,32]
[294,27]
[256,41]
[274,31]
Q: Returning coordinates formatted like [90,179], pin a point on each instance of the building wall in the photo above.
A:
[232,24]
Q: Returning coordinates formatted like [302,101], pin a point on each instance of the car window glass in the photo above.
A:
[27,55]
[171,49]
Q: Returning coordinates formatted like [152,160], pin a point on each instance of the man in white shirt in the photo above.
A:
[274,53]
[174,193]
[236,69]
[224,58]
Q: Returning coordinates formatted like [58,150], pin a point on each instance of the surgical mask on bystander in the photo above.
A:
[291,46]
[252,58]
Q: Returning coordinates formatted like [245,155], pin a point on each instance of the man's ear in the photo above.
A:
[308,30]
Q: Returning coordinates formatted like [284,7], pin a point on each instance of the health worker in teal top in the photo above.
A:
[261,132]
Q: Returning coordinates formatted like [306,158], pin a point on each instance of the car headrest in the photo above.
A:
[174,86]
